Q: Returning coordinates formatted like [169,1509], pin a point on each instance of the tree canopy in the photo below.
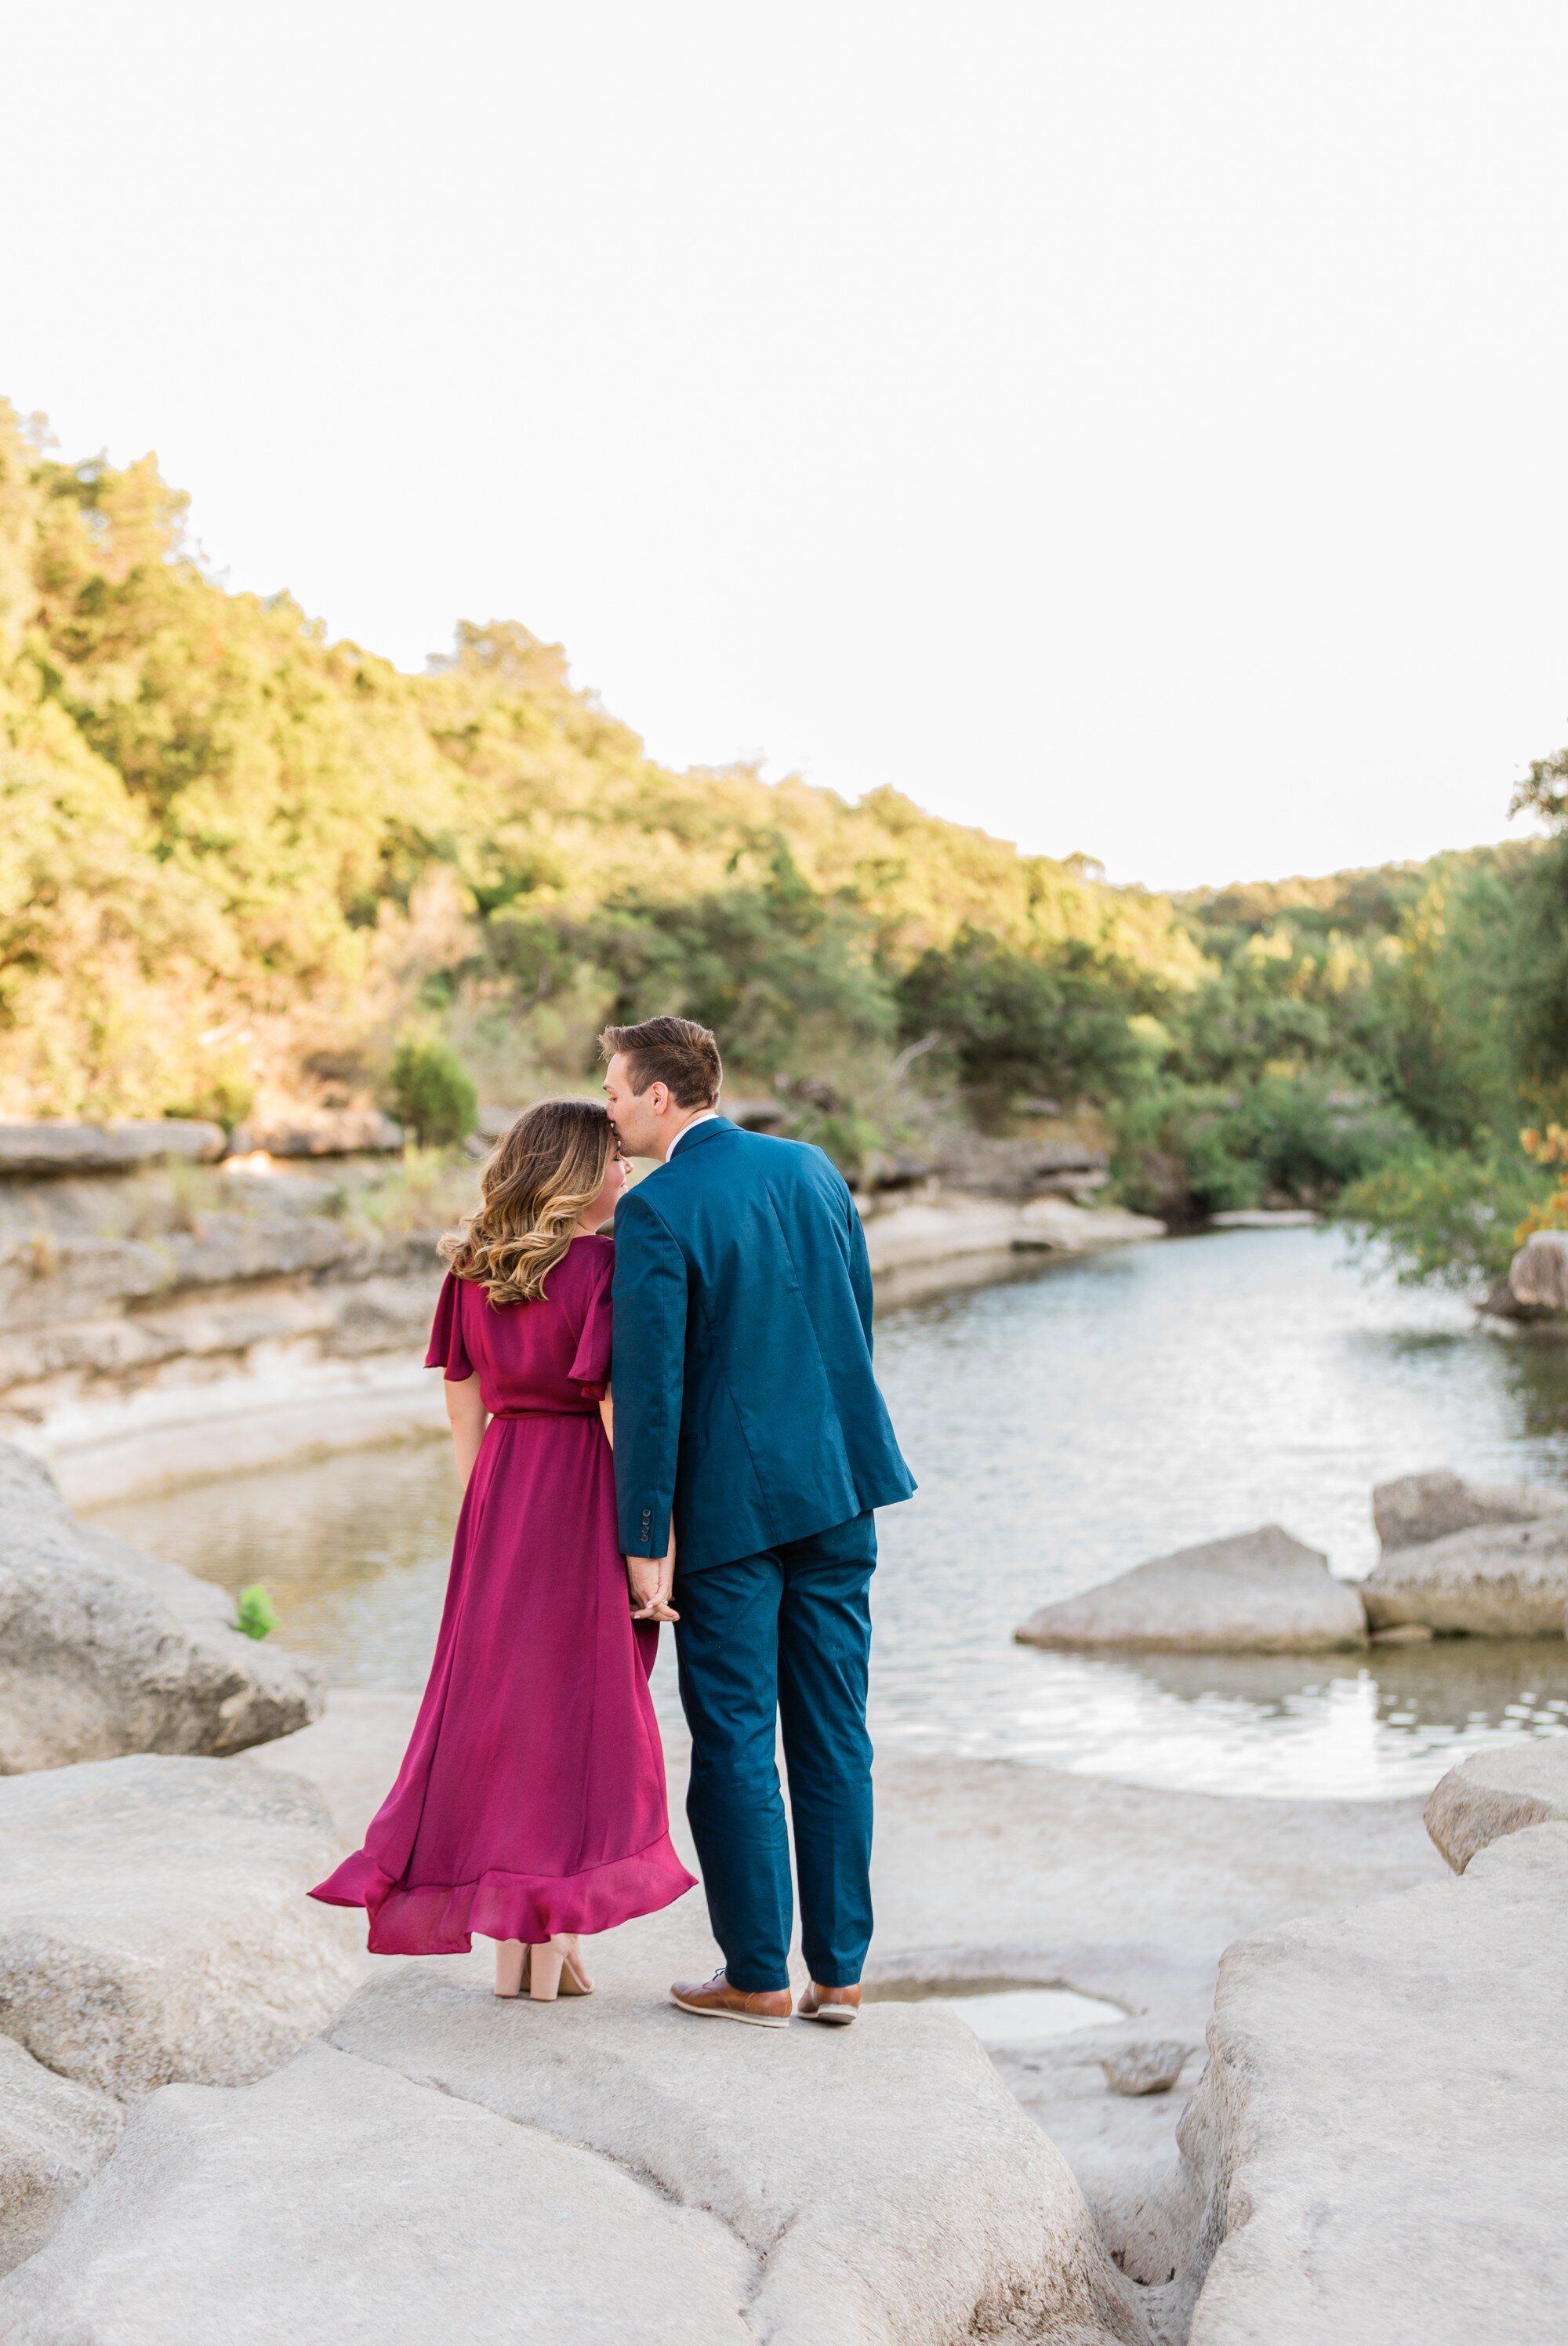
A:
[242,866]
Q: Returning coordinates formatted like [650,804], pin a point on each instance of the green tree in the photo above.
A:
[430,1093]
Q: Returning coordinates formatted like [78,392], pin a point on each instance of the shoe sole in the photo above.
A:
[833,2015]
[716,2011]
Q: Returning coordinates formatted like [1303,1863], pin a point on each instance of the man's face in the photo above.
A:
[637,1116]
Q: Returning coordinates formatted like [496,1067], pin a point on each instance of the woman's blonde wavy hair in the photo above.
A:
[537,1179]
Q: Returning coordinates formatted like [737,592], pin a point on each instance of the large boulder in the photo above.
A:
[103,1650]
[341,2201]
[154,1923]
[1497,1792]
[889,2189]
[54,2137]
[1538,1275]
[1259,1592]
[1417,1508]
[1376,2154]
[1499,1580]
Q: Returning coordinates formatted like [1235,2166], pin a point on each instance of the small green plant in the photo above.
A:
[431,1094]
[253,1612]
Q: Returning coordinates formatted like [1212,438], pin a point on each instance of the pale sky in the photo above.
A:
[1135,427]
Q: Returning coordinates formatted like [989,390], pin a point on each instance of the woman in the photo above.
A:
[530,1802]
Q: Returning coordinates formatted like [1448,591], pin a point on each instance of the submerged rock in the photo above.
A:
[154,1923]
[1418,1508]
[1259,1592]
[54,2137]
[107,1651]
[1376,2152]
[1498,1792]
[886,2182]
[1498,1580]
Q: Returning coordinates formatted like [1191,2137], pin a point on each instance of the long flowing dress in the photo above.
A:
[532,1797]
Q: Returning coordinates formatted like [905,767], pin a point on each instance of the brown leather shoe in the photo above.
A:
[714,1999]
[836,2005]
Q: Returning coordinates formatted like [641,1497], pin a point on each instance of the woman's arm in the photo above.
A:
[468,1418]
[607,1417]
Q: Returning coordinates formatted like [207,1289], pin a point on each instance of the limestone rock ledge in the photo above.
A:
[944,1228]
[54,2137]
[154,1924]
[1376,2154]
[603,2172]
[888,2188]
[338,2200]
[104,1651]
[1498,1792]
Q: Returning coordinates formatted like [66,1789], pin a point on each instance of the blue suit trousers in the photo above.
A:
[782,1639]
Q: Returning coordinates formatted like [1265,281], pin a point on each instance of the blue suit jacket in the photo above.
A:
[745,1401]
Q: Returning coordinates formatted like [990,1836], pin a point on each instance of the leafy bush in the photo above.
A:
[431,1094]
[1187,1151]
[1447,1218]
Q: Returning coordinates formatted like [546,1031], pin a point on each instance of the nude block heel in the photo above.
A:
[544,1970]
[574,1980]
[512,1966]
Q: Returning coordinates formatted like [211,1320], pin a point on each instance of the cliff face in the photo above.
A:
[148,1337]
[166,1320]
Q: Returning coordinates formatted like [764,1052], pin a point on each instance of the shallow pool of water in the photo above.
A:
[1064,1425]
[1009,2014]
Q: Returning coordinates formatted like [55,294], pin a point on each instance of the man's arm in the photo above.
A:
[650,1367]
[859,1266]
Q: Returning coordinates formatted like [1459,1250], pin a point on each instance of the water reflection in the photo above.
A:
[1064,1423]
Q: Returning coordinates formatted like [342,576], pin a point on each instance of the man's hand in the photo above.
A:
[651,1579]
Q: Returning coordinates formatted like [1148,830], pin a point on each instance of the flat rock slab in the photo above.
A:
[1260,1592]
[337,2201]
[1417,1508]
[1495,1580]
[1498,1792]
[897,2194]
[54,2137]
[1377,2147]
[154,1924]
[104,1651]
[106,1147]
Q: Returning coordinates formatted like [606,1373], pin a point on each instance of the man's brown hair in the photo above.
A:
[673,1051]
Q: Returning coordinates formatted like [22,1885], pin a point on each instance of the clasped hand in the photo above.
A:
[651,1579]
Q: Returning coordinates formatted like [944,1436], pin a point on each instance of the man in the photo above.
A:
[748,1417]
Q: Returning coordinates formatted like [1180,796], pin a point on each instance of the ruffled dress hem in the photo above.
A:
[437,1918]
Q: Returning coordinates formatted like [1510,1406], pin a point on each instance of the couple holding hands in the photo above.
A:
[680,1425]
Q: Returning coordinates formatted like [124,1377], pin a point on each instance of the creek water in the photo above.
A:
[1065,1423]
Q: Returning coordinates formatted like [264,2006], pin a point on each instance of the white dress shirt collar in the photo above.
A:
[706,1117]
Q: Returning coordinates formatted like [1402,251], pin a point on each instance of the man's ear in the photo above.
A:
[658,1097]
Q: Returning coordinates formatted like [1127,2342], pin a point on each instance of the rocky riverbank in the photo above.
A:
[166,1313]
[221,2121]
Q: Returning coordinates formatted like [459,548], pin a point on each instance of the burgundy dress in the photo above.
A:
[532,1797]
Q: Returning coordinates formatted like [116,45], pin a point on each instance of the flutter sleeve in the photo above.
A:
[446,1346]
[590,1368]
